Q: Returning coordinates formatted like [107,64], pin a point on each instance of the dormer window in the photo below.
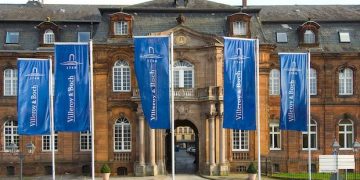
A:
[49,37]
[120,25]
[309,34]
[309,37]
[239,25]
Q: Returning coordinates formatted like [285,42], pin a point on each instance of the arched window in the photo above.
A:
[240,140]
[346,135]
[346,82]
[122,135]
[313,136]
[275,136]
[274,82]
[239,28]
[11,134]
[49,37]
[121,76]
[10,82]
[313,82]
[183,74]
[309,37]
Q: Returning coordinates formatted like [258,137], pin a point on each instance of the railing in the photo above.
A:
[122,157]
[240,156]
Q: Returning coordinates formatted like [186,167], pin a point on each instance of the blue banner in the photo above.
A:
[294,91]
[239,84]
[71,99]
[33,101]
[152,73]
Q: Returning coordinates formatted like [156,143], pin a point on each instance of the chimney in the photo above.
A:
[244,3]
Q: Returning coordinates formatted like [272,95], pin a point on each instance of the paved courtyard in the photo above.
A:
[184,162]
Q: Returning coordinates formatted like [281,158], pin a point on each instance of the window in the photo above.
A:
[239,28]
[183,74]
[10,134]
[46,142]
[83,36]
[240,140]
[49,37]
[313,136]
[12,37]
[121,28]
[309,37]
[10,82]
[121,76]
[281,37]
[122,135]
[344,37]
[346,82]
[274,82]
[346,134]
[85,141]
[313,82]
[275,136]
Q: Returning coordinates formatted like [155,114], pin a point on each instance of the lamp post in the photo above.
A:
[356,148]
[13,148]
[336,147]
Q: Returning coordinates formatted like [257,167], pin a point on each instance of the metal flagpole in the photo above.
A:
[257,108]
[92,111]
[309,116]
[172,106]
[52,137]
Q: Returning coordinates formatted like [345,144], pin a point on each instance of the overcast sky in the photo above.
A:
[230,2]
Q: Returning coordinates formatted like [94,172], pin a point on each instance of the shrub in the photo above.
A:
[105,169]
[251,169]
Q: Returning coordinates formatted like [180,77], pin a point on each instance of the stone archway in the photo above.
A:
[185,123]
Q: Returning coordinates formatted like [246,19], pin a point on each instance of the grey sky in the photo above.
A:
[230,2]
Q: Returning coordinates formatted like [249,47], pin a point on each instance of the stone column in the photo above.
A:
[140,166]
[212,164]
[224,167]
[152,169]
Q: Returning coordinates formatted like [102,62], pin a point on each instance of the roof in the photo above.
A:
[182,4]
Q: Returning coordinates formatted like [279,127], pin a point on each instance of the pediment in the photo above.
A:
[185,37]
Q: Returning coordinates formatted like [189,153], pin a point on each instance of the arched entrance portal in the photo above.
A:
[187,149]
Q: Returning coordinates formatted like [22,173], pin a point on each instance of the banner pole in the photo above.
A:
[92,111]
[257,108]
[172,107]
[309,116]
[52,137]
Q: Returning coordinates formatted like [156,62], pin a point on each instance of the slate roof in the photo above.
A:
[192,4]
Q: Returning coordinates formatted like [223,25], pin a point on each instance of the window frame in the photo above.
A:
[274,82]
[243,144]
[313,123]
[342,82]
[181,67]
[341,37]
[88,138]
[273,134]
[239,28]
[279,40]
[43,143]
[8,37]
[121,28]
[309,37]
[83,32]
[122,122]
[346,132]
[48,37]
[14,136]
[121,67]
[313,82]
[12,79]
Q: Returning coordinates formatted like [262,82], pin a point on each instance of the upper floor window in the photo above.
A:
[183,74]
[120,24]
[11,135]
[121,28]
[346,82]
[85,141]
[313,136]
[122,135]
[344,37]
[274,82]
[275,136]
[12,37]
[281,37]
[240,140]
[309,37]
[10,82]
[46,142]
[346,135]
[239,25]
[83,36]
[239,28]
[121,76]
[313,82]
[49,37]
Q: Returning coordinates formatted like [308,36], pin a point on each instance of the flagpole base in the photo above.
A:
[140,170]
[152,170]
[224,169]
[213,170]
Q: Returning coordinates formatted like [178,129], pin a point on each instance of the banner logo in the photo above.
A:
[71,63]
[34,74]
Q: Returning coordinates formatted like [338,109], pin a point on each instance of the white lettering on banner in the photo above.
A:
[34,103]
[71,94]
[291,112]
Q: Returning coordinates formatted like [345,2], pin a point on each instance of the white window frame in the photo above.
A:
[345,132]
[346,81]
[121,28]
[180,68]
[121,123]
[86,136]
[46,142]
[281,37]
[313,81]
[312,132]
[10,79]
[87,33]
[309,37]
[243,140]
[49,37]
[120,82]
[273,135]
[13,137]
[9,34]
[344,37]
[274,82]
[240,28]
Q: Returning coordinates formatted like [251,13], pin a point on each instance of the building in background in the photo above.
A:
[330,33]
